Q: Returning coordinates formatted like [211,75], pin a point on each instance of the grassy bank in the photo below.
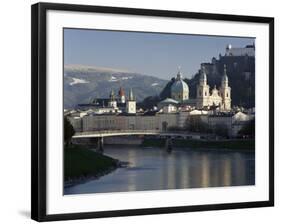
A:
[80,162]
[243,144]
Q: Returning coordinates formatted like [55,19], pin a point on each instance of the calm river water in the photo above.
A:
[156,169]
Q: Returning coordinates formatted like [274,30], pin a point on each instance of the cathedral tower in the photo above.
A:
[203,90]
[112,102]
[131,103]
[121,93]
[225,92]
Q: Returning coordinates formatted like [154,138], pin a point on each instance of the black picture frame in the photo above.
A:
[38,108]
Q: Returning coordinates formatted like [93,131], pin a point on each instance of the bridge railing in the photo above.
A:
[156,132]
[116,131]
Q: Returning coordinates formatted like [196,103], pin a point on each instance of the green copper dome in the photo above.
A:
[179,86]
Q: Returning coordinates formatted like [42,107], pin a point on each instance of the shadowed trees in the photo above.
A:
[68,131]
[248,129]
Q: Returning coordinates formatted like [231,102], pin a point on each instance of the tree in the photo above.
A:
[221,130]
[149,102]
[68,131]
[166,92]
[195,124]
[248,129]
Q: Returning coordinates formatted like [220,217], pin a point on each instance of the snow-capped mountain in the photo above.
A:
[84,83]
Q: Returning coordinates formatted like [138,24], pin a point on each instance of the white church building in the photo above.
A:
[205,98]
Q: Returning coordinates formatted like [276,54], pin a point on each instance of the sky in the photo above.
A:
[155,54]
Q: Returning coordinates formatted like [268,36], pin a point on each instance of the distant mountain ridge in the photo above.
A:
[83,83]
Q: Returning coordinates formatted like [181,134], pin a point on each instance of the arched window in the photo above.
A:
[205,93]
[226,94]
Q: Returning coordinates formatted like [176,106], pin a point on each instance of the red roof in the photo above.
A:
[121,92]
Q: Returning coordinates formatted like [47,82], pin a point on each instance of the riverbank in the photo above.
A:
[82,163]
[155,169]
[240,144]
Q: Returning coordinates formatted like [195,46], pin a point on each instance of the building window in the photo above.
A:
[226,94]
[205,93]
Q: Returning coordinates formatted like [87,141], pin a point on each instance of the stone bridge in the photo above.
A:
[111,133]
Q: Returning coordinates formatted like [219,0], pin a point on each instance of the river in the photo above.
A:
[156,169]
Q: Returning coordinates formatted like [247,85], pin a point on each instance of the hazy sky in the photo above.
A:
[148,53]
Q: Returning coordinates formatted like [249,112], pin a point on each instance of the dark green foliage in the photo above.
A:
[221,130]
[195,124]
[248,129]
[166,92]
[149,102]
[153,142]
[68,131]
[81,162]
[242,88]
[192,84]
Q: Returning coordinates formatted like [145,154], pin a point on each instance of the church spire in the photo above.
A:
[121,94]
[131,95]
[131,103]
[179,75]
[225,91]
[224,69]
[224,81]
[203,76]
[111,95]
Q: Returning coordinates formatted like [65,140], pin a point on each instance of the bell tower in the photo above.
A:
[203,90]
[121,93]
[131,103]
[225,92]
[112,102]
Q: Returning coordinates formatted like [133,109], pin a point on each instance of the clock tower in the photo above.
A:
[131,103]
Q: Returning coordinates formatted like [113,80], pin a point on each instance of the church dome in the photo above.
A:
[179,89]
[169,101]
[179,86]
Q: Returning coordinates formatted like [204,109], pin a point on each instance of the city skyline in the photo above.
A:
[147,127]
[154,54]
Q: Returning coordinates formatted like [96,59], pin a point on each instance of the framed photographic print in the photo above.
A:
[139,111]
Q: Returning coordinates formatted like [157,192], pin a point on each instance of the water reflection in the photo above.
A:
[155,169]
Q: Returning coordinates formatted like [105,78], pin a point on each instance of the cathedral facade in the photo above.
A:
[218,97]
